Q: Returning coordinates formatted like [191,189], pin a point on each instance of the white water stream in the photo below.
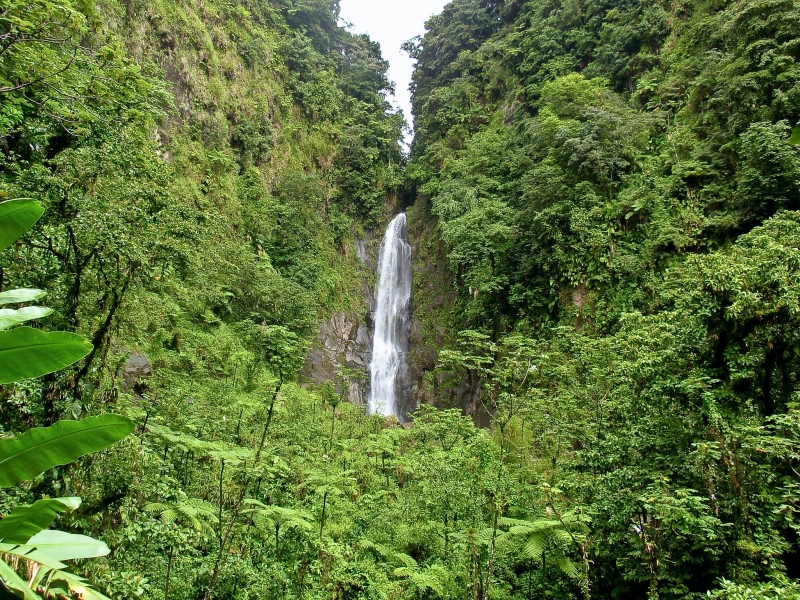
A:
[392,319]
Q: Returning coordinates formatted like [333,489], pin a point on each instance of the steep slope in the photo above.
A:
[613,199]
[206,169]
[605,235]
[230,195]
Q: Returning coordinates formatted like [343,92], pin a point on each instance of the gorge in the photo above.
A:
[596,395]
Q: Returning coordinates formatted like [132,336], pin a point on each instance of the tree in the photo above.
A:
[556,536]
[277,518]
[328,483]
[198,513]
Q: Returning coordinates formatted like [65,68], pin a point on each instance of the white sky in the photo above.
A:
[391,23]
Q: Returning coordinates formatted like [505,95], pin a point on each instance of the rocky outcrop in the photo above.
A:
[136,373]
[343,348]
[345,339]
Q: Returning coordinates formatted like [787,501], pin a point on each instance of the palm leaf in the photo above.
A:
[10,317]
[21,295]
[16,217]
[26,353]
[31,553]
[27,520]
[76,584]
[15,583]
[68,546]
[26,456]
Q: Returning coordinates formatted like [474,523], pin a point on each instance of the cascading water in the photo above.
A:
[392,320]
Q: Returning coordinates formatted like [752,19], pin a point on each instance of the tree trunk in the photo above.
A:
[169,570]
[98,339]
[530,582]
[322,518]
[490,566]
[544,572]
[333,425]
[476,587]
[223,542]
[269,417]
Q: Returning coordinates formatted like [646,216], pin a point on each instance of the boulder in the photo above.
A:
[136,372]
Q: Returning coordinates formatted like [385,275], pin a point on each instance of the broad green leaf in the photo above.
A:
[16,217]
[26,353]
[78,585]
[795,139]
[31,553]
[21,295]
[29,519]
[15,583]
[67,546]
[10,317]
[568,567]
[26,456]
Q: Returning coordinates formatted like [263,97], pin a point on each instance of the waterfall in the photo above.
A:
[392,320]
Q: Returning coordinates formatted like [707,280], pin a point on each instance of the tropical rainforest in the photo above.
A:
[604,200]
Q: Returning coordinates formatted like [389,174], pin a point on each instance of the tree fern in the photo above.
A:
[194,511]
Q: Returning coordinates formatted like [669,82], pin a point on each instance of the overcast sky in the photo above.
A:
[391,23]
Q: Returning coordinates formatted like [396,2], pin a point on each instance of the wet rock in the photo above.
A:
[432,327]
[344,340]
[136,373]
[392,422]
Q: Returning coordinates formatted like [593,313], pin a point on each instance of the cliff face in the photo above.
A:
[434,322]
[344,340]
[343,347]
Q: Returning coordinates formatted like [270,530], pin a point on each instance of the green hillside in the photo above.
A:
[603,204]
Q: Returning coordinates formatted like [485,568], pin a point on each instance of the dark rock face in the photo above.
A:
[344,340]
[136,373]
[434,324]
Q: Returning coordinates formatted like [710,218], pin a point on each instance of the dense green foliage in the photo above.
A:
[28,547]
[609,199]
[198,205]
[616,192]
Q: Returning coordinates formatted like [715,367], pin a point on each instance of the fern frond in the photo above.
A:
[568,567]
[534,547]
[405,559]
[484,536]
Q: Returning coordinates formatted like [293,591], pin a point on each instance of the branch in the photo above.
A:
[49,248]
[7,90]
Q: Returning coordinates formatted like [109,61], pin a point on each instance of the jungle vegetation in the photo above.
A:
[609,193]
